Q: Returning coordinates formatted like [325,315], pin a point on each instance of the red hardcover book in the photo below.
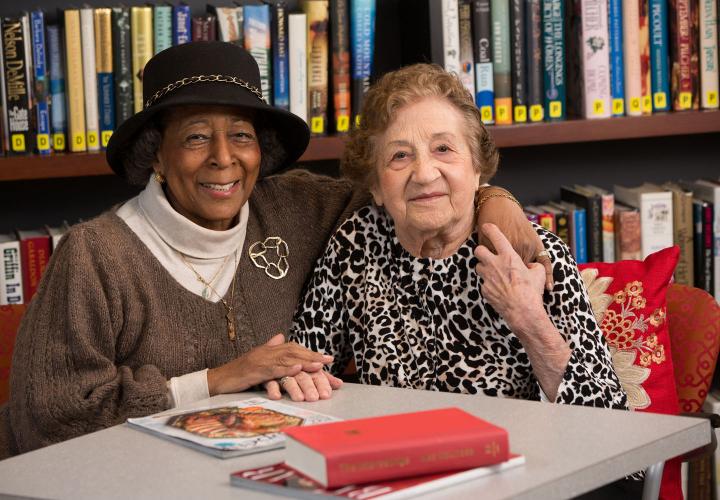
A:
[682,59]
[34,255]
[279,479]
[394,446]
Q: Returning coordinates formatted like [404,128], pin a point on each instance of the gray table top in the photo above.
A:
[569,450]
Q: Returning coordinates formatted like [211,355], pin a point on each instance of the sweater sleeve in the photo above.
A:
[589,377]
[65,380]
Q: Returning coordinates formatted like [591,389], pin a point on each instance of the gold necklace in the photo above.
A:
[208,285]
[229,316]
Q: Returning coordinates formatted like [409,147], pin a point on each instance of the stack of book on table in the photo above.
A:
[392,456]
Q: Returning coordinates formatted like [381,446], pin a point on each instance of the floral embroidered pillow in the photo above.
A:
[629,302]
[628,299]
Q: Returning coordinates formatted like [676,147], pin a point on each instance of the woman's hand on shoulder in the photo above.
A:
[500,209]
[514,289]
[272,360]
[304,386]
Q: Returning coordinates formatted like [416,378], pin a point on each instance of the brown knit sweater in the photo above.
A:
[109,325]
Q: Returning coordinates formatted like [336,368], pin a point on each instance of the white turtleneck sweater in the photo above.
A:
[181,245]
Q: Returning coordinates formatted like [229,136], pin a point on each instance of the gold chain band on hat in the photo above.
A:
[203,78]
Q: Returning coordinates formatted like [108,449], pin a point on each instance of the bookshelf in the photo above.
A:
[21,168]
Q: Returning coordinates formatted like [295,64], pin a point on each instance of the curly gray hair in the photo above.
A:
[142,152]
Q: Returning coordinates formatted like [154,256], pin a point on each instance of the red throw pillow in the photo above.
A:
[628,299]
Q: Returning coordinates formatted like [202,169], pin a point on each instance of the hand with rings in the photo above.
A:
[304,386]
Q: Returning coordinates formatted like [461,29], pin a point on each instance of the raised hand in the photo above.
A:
[272,360]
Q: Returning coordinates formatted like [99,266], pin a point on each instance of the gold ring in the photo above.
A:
[542,254]
[283,381]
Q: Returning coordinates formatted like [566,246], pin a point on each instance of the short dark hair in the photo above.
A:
[142,152]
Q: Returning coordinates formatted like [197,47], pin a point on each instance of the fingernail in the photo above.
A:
[328,357]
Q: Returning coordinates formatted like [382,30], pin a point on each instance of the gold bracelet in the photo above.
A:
[504,194]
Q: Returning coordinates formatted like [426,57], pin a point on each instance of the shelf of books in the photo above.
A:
[331,147]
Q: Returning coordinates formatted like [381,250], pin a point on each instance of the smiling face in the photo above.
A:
[425,175]
[210,157]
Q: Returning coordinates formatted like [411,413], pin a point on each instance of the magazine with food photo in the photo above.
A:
[230,429]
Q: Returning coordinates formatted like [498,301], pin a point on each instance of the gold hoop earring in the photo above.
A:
[159,178]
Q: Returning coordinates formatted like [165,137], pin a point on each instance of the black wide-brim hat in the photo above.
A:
[207,73]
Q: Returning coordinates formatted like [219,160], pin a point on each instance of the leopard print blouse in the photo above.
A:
[423,323]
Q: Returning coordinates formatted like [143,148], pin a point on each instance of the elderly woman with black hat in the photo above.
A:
[181,292]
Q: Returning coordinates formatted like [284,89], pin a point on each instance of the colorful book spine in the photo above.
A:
[229,29]
[17,98]
[615,41]
[707,245]
[11,290]
[122,64]
[56,67]
[162,24]
[362,46]
[141,37]
[595,59]
[645,78]
[581,232]
[340,45]
[682,84]
[553,15]
[502,79]
[465,34]
[34,255]
[484,93]
[683,233]
[451,36]
[104,68]
[518,68]
[281,72]
[87,37]
[708,55]
[181,24]
[40,72]
[317,64]
[631,56]
[533,52]
[627,234]
[608,226]
[75,88]
[204,28]
[659,55]
[256,33]
[297,52]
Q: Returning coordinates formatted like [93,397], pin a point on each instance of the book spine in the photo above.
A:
[240,17]
[42,104]
[534,64]
[229,29]
[547,221]
[17,87]
[56,66]
[502,79]
[615,42]
[465,32]
[317,64]
[162,20]
[708,54]
[518,69]
[451,36]
[11,289]
[122,64]
[698,247]
[707,246]
[656,223]
[181,24]
[340,31]
[92,121]
[595,59]
[659,55]
[553,14]
[104,67]
[362,36]
[417,460]
[628,235]
[645,79]
[35,254]
[562,227]
[581,230]
[204,28]
[256,33]
[631,55]
[141,33]
[608,227]
[484,95]
[683,236]
[682,85]
[279,43]
[297,51]
[75,89]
